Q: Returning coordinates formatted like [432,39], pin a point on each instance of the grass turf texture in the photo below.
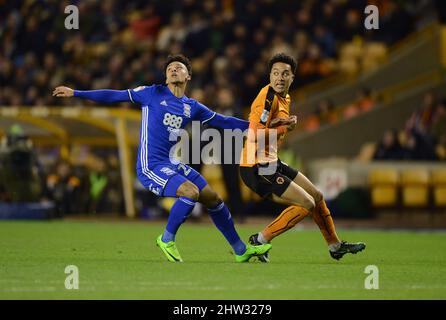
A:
[121,261]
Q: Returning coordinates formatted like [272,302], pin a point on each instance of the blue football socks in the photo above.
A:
[221,217]
[178,214]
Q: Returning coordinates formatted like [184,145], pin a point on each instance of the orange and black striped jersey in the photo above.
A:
[267,106]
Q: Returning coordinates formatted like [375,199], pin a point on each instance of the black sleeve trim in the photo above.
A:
[268,105]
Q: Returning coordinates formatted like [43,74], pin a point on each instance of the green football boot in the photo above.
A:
[253,251]
[254,240]
[169,249]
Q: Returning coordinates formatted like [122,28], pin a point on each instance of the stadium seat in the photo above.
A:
[348,66]
[415,188]
[438,181]
[384,187]
[374,54]
[351,50]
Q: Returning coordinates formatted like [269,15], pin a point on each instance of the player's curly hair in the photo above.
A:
[180,58]
[282,57]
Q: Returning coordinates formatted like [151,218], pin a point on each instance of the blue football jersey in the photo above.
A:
[162,114]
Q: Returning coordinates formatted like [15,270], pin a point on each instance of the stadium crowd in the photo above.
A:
[88,183]
[229,42]
[326,113]
[422,138]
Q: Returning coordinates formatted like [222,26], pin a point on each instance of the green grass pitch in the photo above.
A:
[119,260]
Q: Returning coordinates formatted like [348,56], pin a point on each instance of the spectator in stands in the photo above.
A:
[422,119]
[419,147]
[313,66]
[20,171]
[364,102]
[114,195]
[352,25]
[63,188]
[438,129]
[420,142]
[312,122]
[326,112]
[326,40]
[145,23]
[352,110]
[423,138]
[389,148]
[98,184]
[173,32]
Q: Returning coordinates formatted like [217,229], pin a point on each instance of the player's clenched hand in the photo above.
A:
[63,92]
[277,122]
[292,123]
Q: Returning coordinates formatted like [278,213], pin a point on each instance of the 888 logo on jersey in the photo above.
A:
[172,120]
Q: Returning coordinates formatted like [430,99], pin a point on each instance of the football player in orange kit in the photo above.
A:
[264,173]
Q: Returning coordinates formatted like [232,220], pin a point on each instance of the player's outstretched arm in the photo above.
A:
[217,120]
[103,96]
[227,122]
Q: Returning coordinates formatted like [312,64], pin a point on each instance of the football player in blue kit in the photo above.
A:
[166,110]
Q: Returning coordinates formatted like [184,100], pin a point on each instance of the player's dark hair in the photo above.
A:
[180,58]
[282,57]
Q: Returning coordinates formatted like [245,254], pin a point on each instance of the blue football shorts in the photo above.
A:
[164,179]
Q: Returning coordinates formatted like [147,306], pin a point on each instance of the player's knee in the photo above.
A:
[212,200]
[194,192]
[317,196]
[189,190]
[308,203]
